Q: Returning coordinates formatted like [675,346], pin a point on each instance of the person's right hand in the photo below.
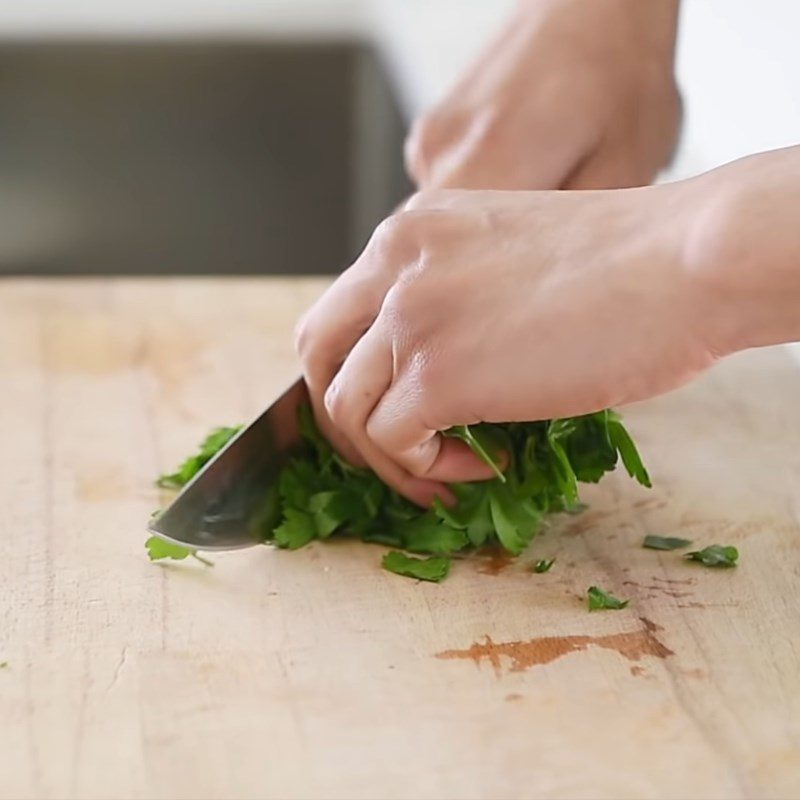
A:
[474,306]
[574,94]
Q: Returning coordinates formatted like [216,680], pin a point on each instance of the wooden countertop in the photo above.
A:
[317,674]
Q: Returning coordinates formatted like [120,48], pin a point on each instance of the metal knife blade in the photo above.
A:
[225,506]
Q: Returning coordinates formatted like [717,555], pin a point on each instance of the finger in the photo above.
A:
[355,391]
[345,311]
[485,159]
[432,136]
[427,138]
[324,338]
[398,426]
[330,329]
[343,446]
[607,171]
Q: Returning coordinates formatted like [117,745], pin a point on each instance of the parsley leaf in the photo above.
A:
[158,549]
[428,534]
[296,530]
[425,569]
[599,600]
[715,555]
[516,520]
[631,459]
[665,542]
[543,565]
[209,447]
[331,510]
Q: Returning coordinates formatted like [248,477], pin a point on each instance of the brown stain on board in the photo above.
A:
[633,646]
[497,559]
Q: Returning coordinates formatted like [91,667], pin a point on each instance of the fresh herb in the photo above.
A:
[318,495]
[478,441]
[431,569]
[665,542]
[598,600]
[158,549]
[543,565]
[622,441]
[210,446]
[3,664]
[715,555]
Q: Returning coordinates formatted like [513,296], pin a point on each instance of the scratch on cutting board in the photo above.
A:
[523,655]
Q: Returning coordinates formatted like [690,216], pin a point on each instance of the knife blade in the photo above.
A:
[227,505]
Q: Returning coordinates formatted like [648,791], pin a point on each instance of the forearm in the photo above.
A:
[744,250]
[652,23]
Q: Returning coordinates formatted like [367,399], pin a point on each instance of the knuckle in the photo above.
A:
[428,375]
[421,374]
[387,230]
[403,300]
[424,200]
[395,237]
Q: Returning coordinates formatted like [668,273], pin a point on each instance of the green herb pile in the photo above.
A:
[319,495]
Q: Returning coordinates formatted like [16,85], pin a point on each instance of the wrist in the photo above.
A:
[742,251]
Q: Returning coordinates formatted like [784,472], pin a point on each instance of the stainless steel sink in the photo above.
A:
[193,157]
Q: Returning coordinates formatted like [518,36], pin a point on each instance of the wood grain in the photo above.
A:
[317,675]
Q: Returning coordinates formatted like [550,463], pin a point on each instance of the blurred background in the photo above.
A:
[252,136]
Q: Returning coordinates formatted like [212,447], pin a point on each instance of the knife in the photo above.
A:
[232,500]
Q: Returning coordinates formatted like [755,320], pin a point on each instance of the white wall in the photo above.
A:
[739,66]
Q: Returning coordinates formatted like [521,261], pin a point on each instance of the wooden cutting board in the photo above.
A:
[316,674]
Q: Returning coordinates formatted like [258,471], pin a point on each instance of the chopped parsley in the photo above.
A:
[319,495]
[210,446]
[665,542]
[431,569]
[158,549]
[715,555]
[601,600]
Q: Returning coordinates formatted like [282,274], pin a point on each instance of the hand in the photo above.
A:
[501,306]
[573,94]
